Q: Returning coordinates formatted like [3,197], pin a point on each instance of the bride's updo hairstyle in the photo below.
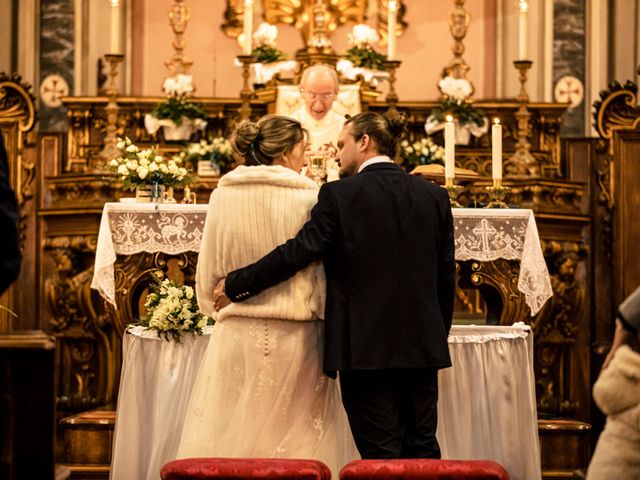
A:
[385,131]
[263,142]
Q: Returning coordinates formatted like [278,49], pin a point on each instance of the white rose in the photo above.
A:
[188,292]
[121,145]
[142,172]
[132,149]
[113,162]
[153,167]
[123,170]
[164,168]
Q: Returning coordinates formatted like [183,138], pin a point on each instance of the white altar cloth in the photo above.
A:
[480,234]
[487,403]
[486,409]
[155,386]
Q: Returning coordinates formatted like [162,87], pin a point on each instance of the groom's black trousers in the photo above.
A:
[392,412]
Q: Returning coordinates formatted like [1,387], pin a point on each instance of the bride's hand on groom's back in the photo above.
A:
[220,300]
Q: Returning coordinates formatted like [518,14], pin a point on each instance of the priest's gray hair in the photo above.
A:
[320,67]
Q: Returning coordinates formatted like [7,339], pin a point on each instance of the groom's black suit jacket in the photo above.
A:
[386,239]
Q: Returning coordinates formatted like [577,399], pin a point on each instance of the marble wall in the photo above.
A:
[56,62]
[569,42]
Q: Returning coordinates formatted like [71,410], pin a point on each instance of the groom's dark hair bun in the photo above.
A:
[384,131]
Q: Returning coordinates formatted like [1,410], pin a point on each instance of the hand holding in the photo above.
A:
[220,299]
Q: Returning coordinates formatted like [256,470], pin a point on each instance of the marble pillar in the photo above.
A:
[56,62]
[569,44]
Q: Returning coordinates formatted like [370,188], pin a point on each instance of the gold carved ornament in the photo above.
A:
[17,113]
[616,110]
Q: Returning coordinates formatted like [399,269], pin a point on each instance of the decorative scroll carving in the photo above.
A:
[497,281]
[82,330]
[556,326]
[17,107]
[616,109]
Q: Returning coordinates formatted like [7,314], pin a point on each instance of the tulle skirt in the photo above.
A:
[260,392]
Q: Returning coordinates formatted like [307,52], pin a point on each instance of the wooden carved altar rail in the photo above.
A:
[73,191]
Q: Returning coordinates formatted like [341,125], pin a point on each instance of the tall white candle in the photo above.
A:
[392,7]
[522,29]
[114,40]
[247,46]
[496,150]
[449,148]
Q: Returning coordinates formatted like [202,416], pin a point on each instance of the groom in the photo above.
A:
[386,239]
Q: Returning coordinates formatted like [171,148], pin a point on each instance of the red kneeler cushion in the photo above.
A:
[423,469]
[244,468]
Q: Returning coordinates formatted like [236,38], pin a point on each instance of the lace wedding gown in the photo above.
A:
[260,390]
[261,393]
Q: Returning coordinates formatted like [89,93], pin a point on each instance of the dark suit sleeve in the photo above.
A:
[9,241]
[309,245]
[446,268]
[629,311]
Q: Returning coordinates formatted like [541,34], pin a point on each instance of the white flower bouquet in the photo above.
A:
[456,102]
[362,54]
[177,109]
[172,310]
[217,150]
[265,41]
[421,152]
[136,167]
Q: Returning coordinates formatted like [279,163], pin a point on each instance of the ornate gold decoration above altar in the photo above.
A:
[179,16]
[17,111]
[459,21]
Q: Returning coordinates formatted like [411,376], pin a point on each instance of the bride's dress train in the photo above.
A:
[260,392]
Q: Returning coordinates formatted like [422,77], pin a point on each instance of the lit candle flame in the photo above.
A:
[496,121]
[523,5]
[449,118]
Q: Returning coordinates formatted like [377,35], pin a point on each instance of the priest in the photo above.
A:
[319,90]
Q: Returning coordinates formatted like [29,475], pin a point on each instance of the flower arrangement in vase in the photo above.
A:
[212,157]
[421,152]
[172,310]
[148,172]
[456,101]
[269,59]
[362,54]
[176,115]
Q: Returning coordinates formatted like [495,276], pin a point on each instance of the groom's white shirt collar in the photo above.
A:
[372,160]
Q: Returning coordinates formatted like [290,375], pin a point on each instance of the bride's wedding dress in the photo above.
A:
[260,390]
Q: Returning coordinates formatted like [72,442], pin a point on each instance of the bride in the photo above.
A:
[260,391]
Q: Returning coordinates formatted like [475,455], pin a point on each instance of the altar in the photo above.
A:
[157,377]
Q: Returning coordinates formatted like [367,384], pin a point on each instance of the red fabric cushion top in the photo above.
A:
[423,469]
[244,468]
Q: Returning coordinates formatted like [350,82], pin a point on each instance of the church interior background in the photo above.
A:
[77,74]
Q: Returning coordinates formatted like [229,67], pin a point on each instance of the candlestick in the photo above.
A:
[454,191]
[496,150]
[392,7]
[248,27]
[449,148]
[497,194]
[523,6]
[114,44]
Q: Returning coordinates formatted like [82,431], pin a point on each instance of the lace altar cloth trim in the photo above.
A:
[480,234]
[486,235]
[127,229]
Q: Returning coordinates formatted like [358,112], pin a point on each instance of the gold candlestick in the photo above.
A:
[524,164]
[188,196]
[109,150]
[392,96]
[246,94]
[454,191]
[497,194]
